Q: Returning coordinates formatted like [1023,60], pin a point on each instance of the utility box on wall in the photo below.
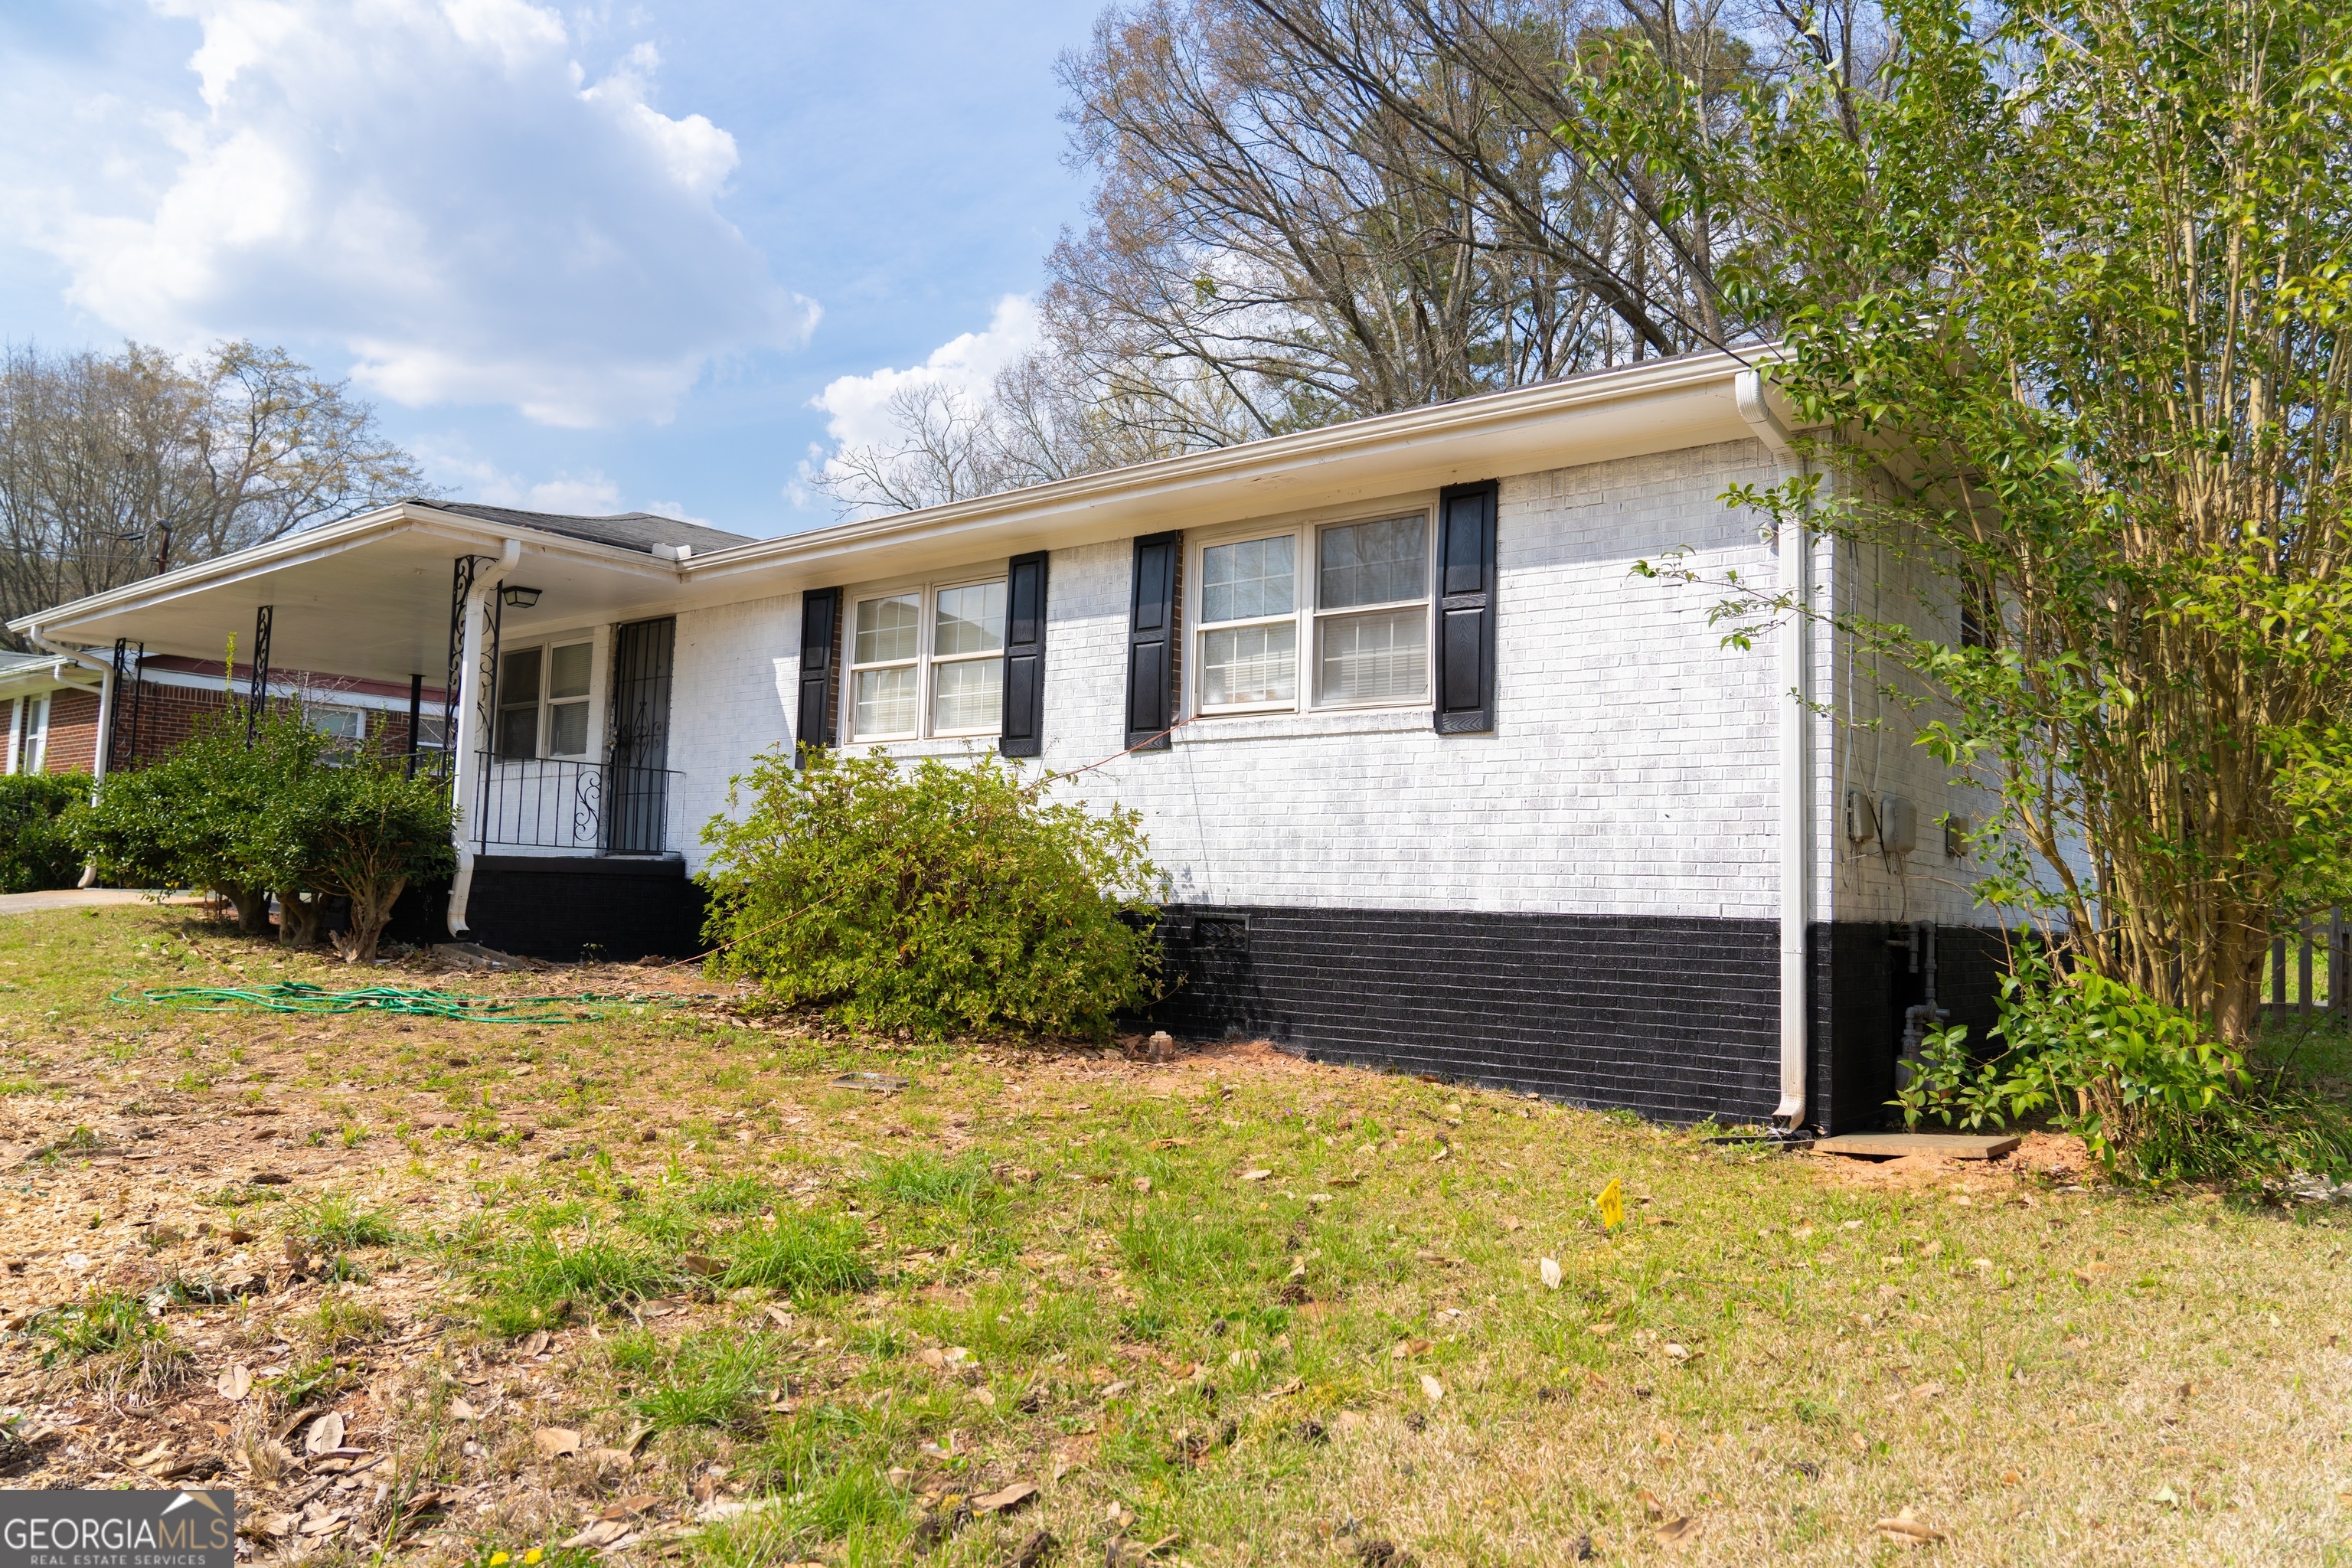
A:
[1898,825]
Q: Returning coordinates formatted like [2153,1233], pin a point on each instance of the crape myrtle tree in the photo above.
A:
[2065,307]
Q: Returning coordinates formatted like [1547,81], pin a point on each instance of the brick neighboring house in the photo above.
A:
[1440,779]
[51,708]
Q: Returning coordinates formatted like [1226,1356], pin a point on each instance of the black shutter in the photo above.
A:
[1151,642]
[1466,608]
[820,648]
[1025,658]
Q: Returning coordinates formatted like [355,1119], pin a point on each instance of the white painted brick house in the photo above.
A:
[1438,779]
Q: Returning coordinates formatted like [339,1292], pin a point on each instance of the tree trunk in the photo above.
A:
[252,906]
[297,920]
[370,912]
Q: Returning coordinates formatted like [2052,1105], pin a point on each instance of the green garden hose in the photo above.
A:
[294,996]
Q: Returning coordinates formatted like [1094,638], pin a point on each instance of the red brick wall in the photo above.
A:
[73,731]
[167,717]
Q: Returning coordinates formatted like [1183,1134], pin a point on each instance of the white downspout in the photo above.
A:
[470,721]
[1796,763]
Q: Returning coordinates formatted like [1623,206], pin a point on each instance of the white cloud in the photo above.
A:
[477,478]
[434,185]
[964,364]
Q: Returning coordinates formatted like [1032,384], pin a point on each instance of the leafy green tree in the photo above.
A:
[2066,309]
[934,898]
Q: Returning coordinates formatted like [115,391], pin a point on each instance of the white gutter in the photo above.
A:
[1796,761]
[469,723]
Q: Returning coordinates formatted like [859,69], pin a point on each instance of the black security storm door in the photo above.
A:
[636,776]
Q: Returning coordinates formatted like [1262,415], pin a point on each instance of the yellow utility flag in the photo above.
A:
[1612,1205]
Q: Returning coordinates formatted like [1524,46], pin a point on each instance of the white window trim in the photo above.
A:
[1306,612]
[926,591]
[35,755]
[594,640]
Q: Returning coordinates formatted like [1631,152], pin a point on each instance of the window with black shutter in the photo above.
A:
[820,652]
[1151,642]
[1465,609]
[1024,733]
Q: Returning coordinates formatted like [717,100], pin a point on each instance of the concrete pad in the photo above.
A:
[82,899]
[1944,1146]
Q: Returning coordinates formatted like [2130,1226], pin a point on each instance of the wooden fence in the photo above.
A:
[2309,970]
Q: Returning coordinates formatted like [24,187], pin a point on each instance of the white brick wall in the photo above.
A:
[1632,770]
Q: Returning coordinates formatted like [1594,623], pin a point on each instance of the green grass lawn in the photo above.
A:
[656,1285]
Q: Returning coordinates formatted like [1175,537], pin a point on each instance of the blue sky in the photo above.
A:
[596,259]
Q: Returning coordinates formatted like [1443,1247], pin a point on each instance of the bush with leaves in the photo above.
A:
[2147,1089]
[934,897]
[37,847]
[360,828]
[200,815]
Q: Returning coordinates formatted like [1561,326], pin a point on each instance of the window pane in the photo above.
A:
[1241,582]
[519,678]
[1374,563]
[1380,658]
[567,729]
[567,671]
[1250,664]
[341,723]
[889,628]
[968,694]
[517,733]
[883,703]
[972,620]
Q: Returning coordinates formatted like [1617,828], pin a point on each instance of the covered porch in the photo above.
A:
[537,665]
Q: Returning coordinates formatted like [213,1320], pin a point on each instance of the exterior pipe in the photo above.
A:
[1796,760]
[469,720]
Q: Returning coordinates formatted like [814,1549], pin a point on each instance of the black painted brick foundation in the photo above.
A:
[614,907]
[1676,1018]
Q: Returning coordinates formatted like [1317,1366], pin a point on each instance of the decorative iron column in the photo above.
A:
[260,692]
[415,717]
[126,670]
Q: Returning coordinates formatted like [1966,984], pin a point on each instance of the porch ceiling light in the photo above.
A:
[518,599]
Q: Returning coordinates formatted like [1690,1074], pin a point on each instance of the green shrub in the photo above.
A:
[2142,1083]
[37,847]
[934,898]
[359,829]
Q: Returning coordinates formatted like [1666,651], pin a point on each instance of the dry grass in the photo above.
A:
[1781,1350]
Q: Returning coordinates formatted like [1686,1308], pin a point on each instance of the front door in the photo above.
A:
[636,766]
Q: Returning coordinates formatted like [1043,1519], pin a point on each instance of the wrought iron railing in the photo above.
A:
[578,808]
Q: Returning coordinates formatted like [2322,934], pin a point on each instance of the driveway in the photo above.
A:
[81,899]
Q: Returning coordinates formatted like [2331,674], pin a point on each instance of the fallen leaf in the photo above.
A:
[1143,1185]
[555,1442]
[464,1410]
[1928,1391]
[1676,1351]
[1255,1176]
[777,1315]
[2010,1477]
[1676,1531]
[235,1383]
[535,1341]
[1406,1349]
[1909,1529]
[1004,1501]
[1035,1550]
[325,1434]
[1603,1327]
[1650,1506]
[603,1533]
[1550,1267]
[930,1358]
[985,1395]
[153,1457]
[1511,1222]
[703,1265]
[1433,1388]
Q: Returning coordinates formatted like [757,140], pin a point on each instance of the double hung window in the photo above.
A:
[543,701]
[1358,604]
[928,661]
